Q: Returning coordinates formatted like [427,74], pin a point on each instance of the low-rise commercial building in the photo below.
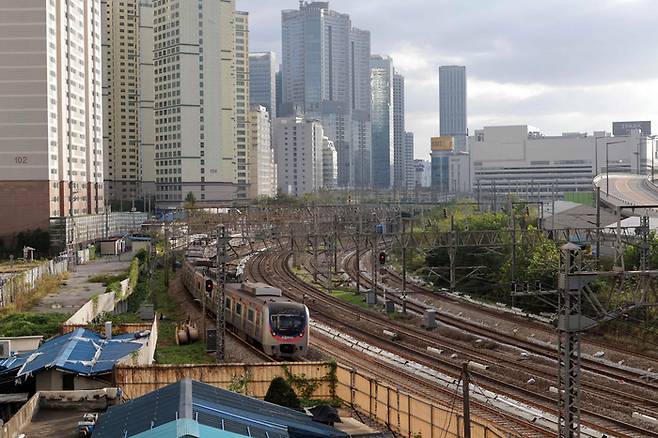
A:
[513,160]
[450,169]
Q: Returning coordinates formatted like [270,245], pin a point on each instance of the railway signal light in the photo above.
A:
[445,213]
[382,258]
[209,285]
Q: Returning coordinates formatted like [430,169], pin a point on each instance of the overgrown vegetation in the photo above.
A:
[31,324]
[281,393]
[167,351]
[27,299]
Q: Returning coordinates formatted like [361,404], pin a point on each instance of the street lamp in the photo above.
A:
[607,166]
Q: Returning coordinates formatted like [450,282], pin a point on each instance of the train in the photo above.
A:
[257,313]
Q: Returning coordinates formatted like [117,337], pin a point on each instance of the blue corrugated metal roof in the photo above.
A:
[209,407]
[81,351]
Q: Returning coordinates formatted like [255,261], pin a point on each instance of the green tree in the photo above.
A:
[281,393]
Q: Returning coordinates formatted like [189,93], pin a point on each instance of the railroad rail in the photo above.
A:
[340,314]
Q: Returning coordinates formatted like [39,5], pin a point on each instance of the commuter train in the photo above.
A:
[258,313]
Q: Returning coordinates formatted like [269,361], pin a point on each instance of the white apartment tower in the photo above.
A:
[146,97]
[195,100]
[51,151]
[263,167]
[244,176]
[121,99]
[298,150]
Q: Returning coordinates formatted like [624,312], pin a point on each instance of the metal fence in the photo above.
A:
[79,230]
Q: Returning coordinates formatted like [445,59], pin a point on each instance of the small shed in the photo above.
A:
[140,242]
[112,246]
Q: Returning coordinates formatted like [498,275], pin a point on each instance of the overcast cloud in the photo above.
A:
[558,65]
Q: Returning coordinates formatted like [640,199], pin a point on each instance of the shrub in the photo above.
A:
[281,393]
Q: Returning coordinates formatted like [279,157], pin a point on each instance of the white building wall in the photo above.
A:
[298,151]
[195,100]
[263,169]
[329,164]
[509,159]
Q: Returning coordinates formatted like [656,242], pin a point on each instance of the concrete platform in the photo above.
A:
[51,423]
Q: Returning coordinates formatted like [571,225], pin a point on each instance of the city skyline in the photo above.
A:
[549,70]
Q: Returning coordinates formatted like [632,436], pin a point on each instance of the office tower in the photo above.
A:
[329,164]
[360,102]
[298,150]
[243,150]
[262,81]
[51,139]
[409,160]
[452,105]
[263,167]
[146,97]
[319,73]
[195,99]
[279,91]
[381,82]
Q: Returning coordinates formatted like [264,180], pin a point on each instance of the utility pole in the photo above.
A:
[452,253]
[598,226]
[358,257]
[466,397]
[404,266]
[222,240]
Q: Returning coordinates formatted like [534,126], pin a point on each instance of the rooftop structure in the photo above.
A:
[193,409]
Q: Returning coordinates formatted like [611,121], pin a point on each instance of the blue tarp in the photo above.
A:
[81,351]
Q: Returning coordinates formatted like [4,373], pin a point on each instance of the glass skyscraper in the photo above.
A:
[452,105]
[381,81]
[324,72]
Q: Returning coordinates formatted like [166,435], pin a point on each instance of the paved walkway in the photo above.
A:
[77,289]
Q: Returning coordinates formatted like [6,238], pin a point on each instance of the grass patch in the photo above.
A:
[28,299]
[167,352]
[31,324]
[350,297]
[108,279]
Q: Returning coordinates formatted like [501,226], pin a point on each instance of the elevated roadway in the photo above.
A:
[625,190]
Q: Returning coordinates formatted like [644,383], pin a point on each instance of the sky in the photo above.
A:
[556,65]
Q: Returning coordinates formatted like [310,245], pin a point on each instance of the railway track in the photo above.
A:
[596,390]
[628,376]
[327,308]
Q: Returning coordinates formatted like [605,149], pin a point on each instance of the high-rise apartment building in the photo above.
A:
[195,100]
[263,167]
[298,146]
[243,150]
[360,102]
[127,98]
[403,169]
[323,73]
[381,82]
[262,81]
[146,92]
[51,150]
[452,105]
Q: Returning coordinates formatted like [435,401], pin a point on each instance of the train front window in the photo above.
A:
[287,324]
